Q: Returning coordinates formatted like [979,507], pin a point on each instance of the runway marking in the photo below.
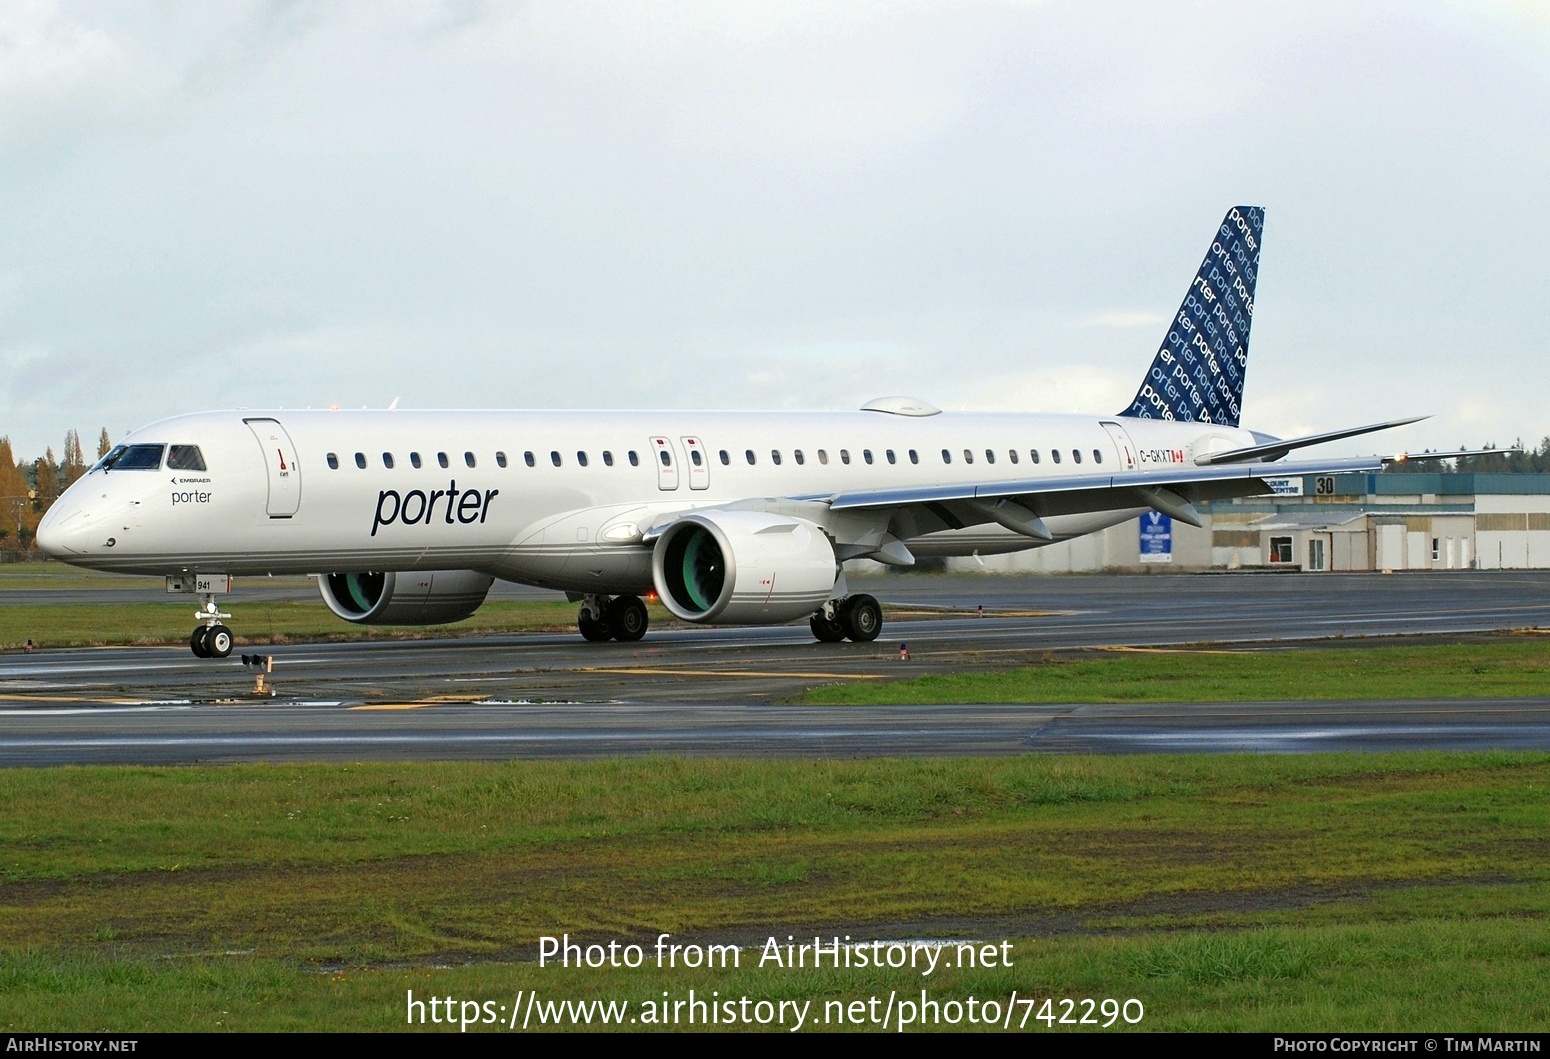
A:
[730,673]
[398,705]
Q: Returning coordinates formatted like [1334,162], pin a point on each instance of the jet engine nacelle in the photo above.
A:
[429,598]
[743,568]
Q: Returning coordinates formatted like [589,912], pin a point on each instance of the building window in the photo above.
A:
[333,462]
[1280,549]
[387,460]
[1435,554]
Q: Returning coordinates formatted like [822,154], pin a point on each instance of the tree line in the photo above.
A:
[28,487]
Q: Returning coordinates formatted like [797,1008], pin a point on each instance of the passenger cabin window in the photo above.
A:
[775,457]
[554,458]
[890,456]
[131,458]
[387,460]
[845,457]
[1097,456]
[608,458]
[866,455]
[500,459]
[968,455]
[468,458]
[333,462]
[823,457]
[726,460]
[1033,454]
[441,458]
[1011,454]
[634,459]
[799,457]
[749,457]
[990,455]
[414,460]
[695,457]
[360,460]
[914,456]
[667,458]
[527,458]
[185,458]
[1054,454]
[1076,455]
[581,458]
[947,457]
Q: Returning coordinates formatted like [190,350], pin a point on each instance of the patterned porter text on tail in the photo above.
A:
[1198,374]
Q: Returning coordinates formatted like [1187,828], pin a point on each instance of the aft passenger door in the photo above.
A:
[667,464]
[280,463]
[1127,451]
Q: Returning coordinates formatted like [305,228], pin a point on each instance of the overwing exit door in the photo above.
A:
[280,463]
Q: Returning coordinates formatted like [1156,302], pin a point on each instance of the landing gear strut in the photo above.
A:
[212,639]
[621,618]
[859,618]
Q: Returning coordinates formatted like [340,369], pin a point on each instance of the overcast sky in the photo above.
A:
[766,205]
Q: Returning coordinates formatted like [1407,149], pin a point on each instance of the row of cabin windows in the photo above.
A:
[726,459]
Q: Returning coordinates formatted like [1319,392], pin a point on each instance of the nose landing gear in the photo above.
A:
[212,639]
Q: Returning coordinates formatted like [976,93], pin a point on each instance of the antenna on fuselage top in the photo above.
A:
[394,406]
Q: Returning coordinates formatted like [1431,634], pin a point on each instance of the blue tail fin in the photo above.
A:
[1198,374]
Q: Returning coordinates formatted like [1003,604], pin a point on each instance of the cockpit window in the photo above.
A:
[132,458]
[185,458]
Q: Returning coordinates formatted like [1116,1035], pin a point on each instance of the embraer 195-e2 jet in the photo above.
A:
[408,517]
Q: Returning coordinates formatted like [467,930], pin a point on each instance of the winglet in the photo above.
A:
[1197,376]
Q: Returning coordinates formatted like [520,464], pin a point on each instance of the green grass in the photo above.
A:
[1314,892]
[1470,670]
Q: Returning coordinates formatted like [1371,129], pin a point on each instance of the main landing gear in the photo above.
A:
[859,618]
[621,618]
[212,639]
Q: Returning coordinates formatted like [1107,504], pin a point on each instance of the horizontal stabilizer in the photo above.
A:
[1276,449]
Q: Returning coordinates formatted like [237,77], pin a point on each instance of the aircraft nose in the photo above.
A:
[60,531]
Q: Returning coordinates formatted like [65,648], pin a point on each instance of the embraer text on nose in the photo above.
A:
[418,506]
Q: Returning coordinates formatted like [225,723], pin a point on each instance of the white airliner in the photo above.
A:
[407,517]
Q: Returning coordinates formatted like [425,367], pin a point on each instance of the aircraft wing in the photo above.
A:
[1020,505]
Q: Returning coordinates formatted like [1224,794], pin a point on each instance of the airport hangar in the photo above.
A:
[1346,522]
